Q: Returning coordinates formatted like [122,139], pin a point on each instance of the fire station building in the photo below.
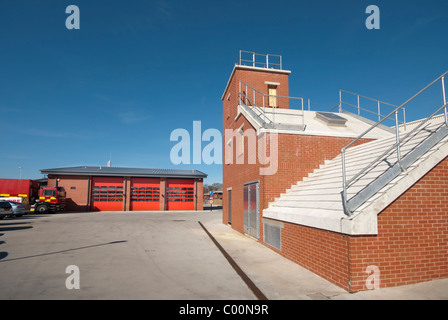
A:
[90,188]
[348,196]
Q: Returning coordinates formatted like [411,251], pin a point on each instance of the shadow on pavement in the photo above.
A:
[67,250]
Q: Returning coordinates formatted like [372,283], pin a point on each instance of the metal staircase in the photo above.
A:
[398,157]
[342,185]
[256,104]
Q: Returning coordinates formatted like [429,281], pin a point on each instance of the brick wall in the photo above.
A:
[199,194]
[412,241]
[411,245]
[298,156]
[76,188]
[323,252]
[256,79]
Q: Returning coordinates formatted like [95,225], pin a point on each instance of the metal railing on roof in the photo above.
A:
[361,107]
[255,99]
[395,148]
[252,59]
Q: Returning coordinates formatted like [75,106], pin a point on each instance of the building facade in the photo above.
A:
[401,232]
[128,189]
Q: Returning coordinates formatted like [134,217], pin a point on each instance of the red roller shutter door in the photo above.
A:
[145,194]
[107,194]
[180,194]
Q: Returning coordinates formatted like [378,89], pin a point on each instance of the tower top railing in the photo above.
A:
[252,59]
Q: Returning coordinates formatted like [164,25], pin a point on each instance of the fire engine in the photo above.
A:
[42,199]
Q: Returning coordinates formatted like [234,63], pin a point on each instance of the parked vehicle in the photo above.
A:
[19,209]
[5,209]
[41,199]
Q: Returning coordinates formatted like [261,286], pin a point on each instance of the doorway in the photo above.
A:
[251,218]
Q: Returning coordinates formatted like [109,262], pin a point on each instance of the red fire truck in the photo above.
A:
[42,199]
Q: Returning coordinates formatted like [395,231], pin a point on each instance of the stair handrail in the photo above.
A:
[246,96]
[398,141]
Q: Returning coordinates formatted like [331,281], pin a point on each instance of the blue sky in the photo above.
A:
[137,70]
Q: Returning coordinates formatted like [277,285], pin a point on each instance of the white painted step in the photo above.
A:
[321,190]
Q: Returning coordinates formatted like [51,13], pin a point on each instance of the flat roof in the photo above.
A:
[237,66]
[354,126]
[124,171]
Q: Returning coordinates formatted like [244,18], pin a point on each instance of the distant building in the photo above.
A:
[129,189]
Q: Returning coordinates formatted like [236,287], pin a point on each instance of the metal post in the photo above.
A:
[264,110]
[344,182]
[358,105]
[253,59]
[379,112]
[303,116]
[239,91]
[444,100]
[397,135]
[309,105]
[340,101]
[254,103]
[267,61]
[404,119]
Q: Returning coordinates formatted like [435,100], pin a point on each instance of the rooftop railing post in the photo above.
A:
[379,111]
[397,135]
[444,100]
[253,59]
[303,116]
[340,100]
[359,110]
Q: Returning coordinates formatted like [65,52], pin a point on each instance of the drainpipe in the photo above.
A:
[124,193]
[88,194]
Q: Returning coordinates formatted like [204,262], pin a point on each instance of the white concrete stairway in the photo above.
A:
[319,194]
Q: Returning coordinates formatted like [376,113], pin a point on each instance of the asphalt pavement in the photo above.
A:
[159,256]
